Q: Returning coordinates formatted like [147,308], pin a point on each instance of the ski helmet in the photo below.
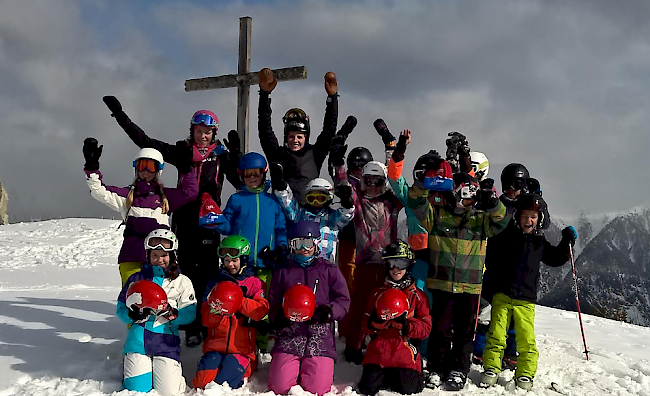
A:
[252,160]
[480,164]
[298,303]
[430,160]
[304,229]
[146,294]
[374,174]
[533,186]
[225,298]
[358,157]
[165,234]
[398,254]
[320,185]
[235,246]
[391,304]
[205,117]
[296,120]
[155,163]
[533,202]
[514,176]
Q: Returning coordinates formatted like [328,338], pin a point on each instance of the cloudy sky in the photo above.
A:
[559,86]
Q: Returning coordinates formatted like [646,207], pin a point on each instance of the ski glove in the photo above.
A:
[277,177]
[400,149]
[337,151]
[92,153]
[344,192]
[280,322]
[139,315]
[113,105]
[570,234]
[376,323]
[233,143]
[322,314]
[486,197]
[275,256]
[244,290]
[382,130]
[261,326]
[348,127]
[168,313]
[402,324]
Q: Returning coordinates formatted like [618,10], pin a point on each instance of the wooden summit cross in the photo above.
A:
[243,79]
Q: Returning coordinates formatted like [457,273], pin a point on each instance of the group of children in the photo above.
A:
[414,298]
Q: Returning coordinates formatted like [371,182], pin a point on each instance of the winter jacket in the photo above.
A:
[417,234]
[230,334]
[158,336]
[457,241]
[513,259]
[259,217]
[390,349]
[145,214]
[209,172]
[331,221]
[305,164]
[303,339]
[375,222]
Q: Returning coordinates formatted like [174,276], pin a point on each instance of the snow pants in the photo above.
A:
[129,268]
[346,256]
[522,312]
[220,368]
[450,344]
[143,373]
[366,278]
[401,380]
[314,374]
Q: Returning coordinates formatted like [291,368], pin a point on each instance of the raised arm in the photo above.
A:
[322,144]
[268,140]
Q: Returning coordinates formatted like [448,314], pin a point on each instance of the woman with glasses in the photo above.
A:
[304,352]
[144,205]
[301,160]
[201,151]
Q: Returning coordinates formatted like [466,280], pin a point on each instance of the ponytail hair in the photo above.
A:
[131,195]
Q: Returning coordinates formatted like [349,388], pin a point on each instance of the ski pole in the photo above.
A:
[575,284]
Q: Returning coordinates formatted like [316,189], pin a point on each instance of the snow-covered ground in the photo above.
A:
[59,334]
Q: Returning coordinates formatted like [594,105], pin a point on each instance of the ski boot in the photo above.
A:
[192,340]
[455,381]
[352,355]
[524,383]
[488,378]
[432,380]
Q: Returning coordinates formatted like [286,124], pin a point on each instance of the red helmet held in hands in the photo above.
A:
[391,304]
[299,303]
[146,294]
[225,298]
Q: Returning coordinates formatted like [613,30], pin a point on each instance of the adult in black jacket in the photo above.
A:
[301,161]
[203,151]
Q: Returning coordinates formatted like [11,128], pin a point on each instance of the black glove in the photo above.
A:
[113,105]
[375,322]
[569,233]
[244,290]
[337,151]
[92,154]
[277,176]
[276,256]
[139,315]
[233,143]
[322,314]
[344,192]
[168,313]
[261,326]
[280,322]
[487,198]
[400,149]
[348,127]
[383,131]
[402,324]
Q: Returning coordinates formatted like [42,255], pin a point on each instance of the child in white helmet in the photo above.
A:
[144,205]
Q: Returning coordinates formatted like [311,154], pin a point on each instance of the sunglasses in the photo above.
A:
[374,181]
[205,119]
[302,243]
[317,198]
[398,263]
[147,164]
[222,252]
[252,173]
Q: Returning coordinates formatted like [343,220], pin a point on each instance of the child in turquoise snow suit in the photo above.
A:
[515,279]
[152,348]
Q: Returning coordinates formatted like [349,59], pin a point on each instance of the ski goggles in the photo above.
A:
[517,184]
[302,243]
[253,173]
[438,183]
[317,198]
[374,181]
[159,246]
[224,252]
[398,263]
[205,119]
[357,164]
[149,164]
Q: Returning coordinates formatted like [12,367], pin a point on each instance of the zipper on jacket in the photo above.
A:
[257,228]
[229,332]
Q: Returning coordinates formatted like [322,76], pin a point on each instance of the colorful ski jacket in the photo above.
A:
[457,241]
[145,214]
[305,164]
[230,334]
[259,217]
[390,349]
[303,339]
[331,221]
[158,336]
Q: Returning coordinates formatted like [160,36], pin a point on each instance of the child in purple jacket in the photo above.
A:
[305,352]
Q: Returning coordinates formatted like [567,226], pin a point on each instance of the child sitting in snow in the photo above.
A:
[152,348]
[514,278]
[391,362]
[305,352]
[229,349]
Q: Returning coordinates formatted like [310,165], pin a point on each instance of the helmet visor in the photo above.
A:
[316,198]
[252,173]
[374,180]
[302,243]
[231,252]
[149,164]
[517,184]
[398,263]
[204,119]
